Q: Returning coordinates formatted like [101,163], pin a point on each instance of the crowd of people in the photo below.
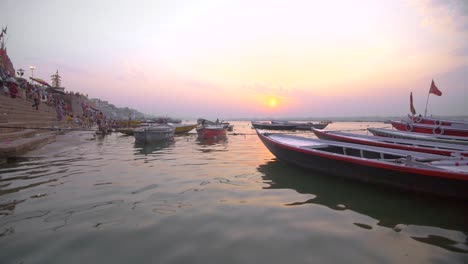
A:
[21,89]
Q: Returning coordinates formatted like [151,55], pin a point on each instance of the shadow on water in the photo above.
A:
[150,148]
[391,208]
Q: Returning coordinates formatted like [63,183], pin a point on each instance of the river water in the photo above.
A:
[88,199]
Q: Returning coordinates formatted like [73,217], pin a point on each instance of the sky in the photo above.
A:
[249,59]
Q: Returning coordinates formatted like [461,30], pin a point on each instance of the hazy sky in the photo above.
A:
[227,59]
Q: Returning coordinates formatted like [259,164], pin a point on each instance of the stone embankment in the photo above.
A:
[23,128]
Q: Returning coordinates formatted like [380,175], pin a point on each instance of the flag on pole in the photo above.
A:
[434,89]
[413,111]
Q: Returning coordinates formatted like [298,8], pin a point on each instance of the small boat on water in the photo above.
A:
[272,125]
[383,132]
[430,129]
[395,143]
[183,128]
[153,133]
[289,125]
[211,131]
[406,170]
[438,121]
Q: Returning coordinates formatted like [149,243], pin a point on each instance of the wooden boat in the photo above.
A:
[406,170]
[417,136]
[184,128]
[395,143]
[289,125]
[438,121]
[154,133]
[211,131]
[430,129]
[272,125]
[304,125]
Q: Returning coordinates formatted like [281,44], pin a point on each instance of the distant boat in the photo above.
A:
[406,170]
[396,143]
[154,133]
[211,131]
[272,125]
[430,129]
[418,136]
[308,125]
[289,125]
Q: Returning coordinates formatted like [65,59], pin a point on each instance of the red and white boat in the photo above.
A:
[392,133]
[407,170]
[438,121]
[430,129]
[394,143]
[211,131]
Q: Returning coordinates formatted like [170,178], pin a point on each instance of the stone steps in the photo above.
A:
[20,145]
[23,128]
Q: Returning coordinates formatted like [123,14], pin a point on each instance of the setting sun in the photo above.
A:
[272,102]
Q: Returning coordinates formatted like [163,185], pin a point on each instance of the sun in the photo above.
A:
[272,102]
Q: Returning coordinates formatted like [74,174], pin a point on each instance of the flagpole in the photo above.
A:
[427,101]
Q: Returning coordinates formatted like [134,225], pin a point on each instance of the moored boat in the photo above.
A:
[154,133]
[406,170]
[211,131]
[289,125]
[272,125]
[383,132]
[395,143]
[430,129]
[184,128]
[438,121]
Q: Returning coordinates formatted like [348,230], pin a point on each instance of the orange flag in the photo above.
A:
[434,89]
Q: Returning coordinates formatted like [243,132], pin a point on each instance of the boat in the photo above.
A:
[227,125]
[395,143]
[430,129]
[211,131]
[406,170]
[183,128]
[272,125]
[289,125]
[310,125]
[154,133]
[438,121]
[383,132]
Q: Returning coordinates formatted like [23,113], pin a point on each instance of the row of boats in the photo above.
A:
[151,131]
[420,160]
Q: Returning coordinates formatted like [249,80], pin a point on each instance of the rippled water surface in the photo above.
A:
[87,199]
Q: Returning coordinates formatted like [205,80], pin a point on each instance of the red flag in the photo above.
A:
[434,89]
[413,111]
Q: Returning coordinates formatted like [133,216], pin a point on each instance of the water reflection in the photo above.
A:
[391,208]
[150,148]
[212,141]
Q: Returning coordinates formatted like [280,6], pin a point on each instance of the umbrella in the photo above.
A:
[40,81]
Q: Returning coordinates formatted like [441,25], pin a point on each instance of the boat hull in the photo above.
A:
[438,121]
[430,129]
[410,145]
[181,129]
[152,134]
[365,171]
[211,132]
[417,136]
[260,125]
